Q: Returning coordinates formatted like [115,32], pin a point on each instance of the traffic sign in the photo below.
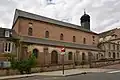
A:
[63,50]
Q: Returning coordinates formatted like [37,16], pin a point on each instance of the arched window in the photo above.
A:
[54,57]
[83,56]
[30,31]
[35,53]
[70,56]
[74,39]
[47,34]
[84,40]
[61,36]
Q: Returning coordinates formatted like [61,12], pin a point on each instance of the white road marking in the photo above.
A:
[114,71]
[50,78]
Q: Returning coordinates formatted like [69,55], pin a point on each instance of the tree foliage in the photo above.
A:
[24,65]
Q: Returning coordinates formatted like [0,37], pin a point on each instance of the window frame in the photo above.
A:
[113,46]
[61,36]
[30,31]
[109,54]
[7,33]
[8,47]
[83,56]
[118,55]
[70,56]
[84,40]
[47,34]
[74,39]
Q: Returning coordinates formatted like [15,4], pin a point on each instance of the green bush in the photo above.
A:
[24,65]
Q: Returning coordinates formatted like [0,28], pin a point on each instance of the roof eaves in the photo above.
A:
[57,43]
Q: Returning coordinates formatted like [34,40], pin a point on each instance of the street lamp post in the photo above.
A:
[63,53]
[63,64]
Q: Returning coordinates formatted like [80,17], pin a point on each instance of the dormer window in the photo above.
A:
[7,33]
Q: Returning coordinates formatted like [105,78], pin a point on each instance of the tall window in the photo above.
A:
[93,39]
[30,31]
[117,55]
[8,47]
[83,56]
[47,34]
[113,46]
[97,56]
[109,54]
[35,52]
[74,39]
[61,36]
[70,56]
[109,46]
[118,47]
[84,40]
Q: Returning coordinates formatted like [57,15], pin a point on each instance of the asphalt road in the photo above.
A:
[89,76]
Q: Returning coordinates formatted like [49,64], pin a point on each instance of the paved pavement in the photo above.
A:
[70,72]
[73,71]
[89,76]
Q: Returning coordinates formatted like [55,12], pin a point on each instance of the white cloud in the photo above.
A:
[104,13]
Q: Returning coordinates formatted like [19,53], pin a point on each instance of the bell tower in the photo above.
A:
[85,21]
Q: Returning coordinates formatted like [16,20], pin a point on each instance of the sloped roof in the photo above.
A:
[42,41]
[20,13]
[107,33]
[2,32]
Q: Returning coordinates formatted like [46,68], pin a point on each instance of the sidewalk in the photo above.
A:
[73,72]
[58,73]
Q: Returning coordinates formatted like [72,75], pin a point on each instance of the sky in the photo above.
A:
[104,14]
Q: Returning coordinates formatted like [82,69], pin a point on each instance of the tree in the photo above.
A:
[24,65]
